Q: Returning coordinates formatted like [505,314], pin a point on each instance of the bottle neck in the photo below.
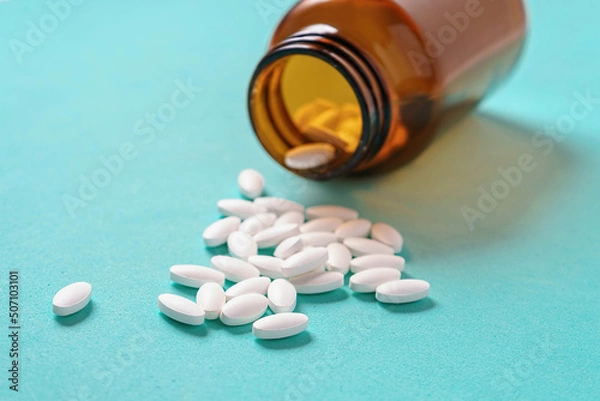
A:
[271,120]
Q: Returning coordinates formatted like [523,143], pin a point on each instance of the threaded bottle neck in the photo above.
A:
[272,123]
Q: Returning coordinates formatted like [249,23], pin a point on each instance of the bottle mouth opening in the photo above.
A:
[312,91]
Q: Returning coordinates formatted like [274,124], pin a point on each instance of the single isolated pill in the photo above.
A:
[388,235]
[72,298]
[234,269]
[282,296]
[216,234]
[339,258]
[318,282]
[402,291]
[181,309]
[241,245]
[309,156]
[239,207]
[251,183]
[268,266]
[254,285]
[353,228]
[323,224]
[365,246]
[288,247]
[255,224]
[195,276]
[211,298]
[272,236]
[278,206]
[318,238]
[291,217]
[341,212]
[281,325]
[244,309]
[369,280]
[304,262]
[377,260]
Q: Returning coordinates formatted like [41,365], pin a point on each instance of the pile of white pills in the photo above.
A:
[303,251]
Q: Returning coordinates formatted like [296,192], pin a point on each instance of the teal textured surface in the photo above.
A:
[514,310]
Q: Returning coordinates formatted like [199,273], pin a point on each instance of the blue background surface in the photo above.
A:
[514,306]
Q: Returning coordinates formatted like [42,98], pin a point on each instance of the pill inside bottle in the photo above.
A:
[375,79]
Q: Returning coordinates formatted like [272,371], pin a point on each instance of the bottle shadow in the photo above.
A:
[456,194]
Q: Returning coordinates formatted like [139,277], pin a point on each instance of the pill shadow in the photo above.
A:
[188,292]
[369,298]
[426,198]
[297,341]
[238,330]
[197,331]
[326,298]
[413,307]
[216,251]
[75,318]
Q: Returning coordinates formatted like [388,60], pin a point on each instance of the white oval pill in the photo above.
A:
[339,258]
[288,247]
[291,217]
[241,245]
[239,207]
[278,205]
[318,238]
[234,269]
[354,228]
[282,296]
[402,291]
[309,156]
[341,212]
[211,298]
[181,309]
[272,236]
[318,282]
[323,224]
[216,234]
[251,183]
[254,285]
[388,235]
[72,298]
[195,276]
[267,265]
[281,325]
[377,260]
[369,280]
[255,224]
[304,262]
[365,246]
[244,309]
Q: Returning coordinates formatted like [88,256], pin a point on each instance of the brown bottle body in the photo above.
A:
[433,61]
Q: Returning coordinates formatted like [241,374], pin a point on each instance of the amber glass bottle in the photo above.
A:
[377,78]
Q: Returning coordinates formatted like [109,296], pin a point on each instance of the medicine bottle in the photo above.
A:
[377,78]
